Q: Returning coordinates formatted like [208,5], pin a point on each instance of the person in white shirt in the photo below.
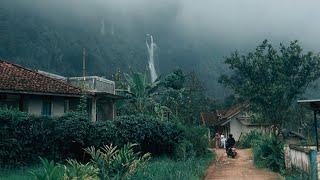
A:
[223,141]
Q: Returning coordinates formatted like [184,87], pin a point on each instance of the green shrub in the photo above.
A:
[24,137]
[152,135]
[49,171]
[71,133]
[108,162]
[160,137]
[114,163]
[268,153]
[76,170]
[246,140]
[184,150]
[197,139]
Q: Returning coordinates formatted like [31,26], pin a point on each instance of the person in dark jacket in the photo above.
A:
[230,142]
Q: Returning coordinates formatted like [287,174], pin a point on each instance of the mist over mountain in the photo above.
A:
[193,35]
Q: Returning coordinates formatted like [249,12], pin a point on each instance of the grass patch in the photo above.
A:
[158,168]
[168,169]
[17,174]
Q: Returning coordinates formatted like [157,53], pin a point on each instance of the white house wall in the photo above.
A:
[35,105]
[235,128]
[57,106]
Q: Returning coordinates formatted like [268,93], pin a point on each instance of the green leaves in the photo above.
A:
[272,79]
[78,171]
[116,163]
[49,171]
[268,152]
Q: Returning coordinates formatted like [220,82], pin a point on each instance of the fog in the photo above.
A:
[232,24]
[194,35]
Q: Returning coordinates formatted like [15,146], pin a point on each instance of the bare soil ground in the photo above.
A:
[240,168]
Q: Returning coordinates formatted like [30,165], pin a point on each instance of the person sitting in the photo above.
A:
[230,142]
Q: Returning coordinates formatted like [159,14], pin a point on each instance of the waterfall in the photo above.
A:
[151,48]
[102,29]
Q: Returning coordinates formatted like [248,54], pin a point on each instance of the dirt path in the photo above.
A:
[240,168]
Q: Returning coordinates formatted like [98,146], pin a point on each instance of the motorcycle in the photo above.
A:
[231,152]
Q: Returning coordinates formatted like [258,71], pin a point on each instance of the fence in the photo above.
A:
[303,158]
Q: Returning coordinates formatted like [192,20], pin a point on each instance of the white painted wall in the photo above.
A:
[235,128]
[58,106]
[35,105]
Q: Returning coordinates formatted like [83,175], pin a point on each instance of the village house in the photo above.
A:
[235,121]
[43,93]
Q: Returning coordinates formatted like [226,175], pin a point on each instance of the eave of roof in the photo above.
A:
[39,93]
[108,95]
[313,104]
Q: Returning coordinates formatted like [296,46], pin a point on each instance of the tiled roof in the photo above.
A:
[209,118]
[234,110]
[14,78]
[222,116]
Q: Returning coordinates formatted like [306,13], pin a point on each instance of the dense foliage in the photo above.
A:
[25,137]
[50,35]
[176,96]
[268,152]
[156,168]
[109,162]
[272,79]
[247,140]
[152,135]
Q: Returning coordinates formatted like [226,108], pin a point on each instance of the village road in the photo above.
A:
[240,168]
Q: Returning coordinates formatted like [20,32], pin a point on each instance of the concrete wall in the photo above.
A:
[34,105]
[58,106]
[235,128]
[105,110]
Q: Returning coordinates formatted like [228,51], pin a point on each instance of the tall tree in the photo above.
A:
[272,79]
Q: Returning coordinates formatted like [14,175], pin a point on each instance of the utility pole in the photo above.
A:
[84,64]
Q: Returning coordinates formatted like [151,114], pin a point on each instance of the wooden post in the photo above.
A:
[94,109]
[84,64]
[313,165]
[316,128]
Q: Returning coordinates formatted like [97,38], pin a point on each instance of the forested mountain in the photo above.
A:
[50,35]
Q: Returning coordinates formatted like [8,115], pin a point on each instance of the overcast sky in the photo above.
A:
[232,23]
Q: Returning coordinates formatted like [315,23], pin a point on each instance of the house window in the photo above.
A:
[66,106]
[46,108]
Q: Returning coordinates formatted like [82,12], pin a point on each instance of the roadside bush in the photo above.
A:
[71,132]
[268,153]
[152,135]
[115,163]
[76,170]
[195,141]
[246,140]
[108,162]
[160,137]
[24,137]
